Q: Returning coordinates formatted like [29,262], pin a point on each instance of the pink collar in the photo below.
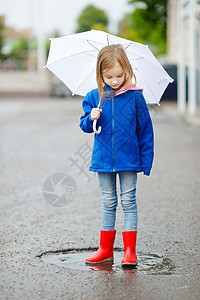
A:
[125,88]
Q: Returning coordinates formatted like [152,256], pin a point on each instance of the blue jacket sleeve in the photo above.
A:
[145,133]
[86,123]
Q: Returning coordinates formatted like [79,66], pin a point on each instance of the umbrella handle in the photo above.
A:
[95,127]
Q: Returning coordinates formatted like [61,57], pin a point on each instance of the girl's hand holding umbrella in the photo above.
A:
[95,113]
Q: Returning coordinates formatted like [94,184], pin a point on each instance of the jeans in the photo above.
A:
[107,184]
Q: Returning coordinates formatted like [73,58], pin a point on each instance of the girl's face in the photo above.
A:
[114,77]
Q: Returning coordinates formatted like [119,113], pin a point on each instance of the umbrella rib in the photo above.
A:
[148,86]
[93,45]
[133,59]
[90,42]
[139,56]
[127,46]
[108,40]
[82,52]
[83,82]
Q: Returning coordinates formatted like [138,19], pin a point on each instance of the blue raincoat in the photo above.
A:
[126,141]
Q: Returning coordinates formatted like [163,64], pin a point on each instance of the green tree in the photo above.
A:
[19,50]
[92,17]
[149,23]
[128,33]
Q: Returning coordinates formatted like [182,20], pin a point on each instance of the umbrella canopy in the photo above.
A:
[73,60]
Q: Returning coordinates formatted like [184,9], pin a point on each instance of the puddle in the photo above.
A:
[149,264]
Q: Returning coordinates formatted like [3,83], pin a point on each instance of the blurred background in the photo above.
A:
[170,28]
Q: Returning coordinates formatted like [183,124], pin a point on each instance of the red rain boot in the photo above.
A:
[105,251]
[130,257]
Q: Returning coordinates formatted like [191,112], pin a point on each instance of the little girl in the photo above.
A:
[124,147]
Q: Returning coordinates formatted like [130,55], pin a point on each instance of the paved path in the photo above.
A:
[40,137]
[24,84]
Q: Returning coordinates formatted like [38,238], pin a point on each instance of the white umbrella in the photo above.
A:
[73,60]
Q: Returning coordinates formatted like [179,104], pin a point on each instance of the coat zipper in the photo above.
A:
[113,158]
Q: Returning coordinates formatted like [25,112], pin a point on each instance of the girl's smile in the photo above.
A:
[114,77]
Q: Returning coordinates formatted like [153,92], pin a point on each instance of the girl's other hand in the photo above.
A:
[95,113]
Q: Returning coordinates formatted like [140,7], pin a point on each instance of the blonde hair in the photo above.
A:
[106,59]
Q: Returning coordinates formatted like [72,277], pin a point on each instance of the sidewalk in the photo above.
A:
[38,140]
[14,84]
[170,107]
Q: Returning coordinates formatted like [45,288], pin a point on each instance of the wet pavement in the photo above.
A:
[150,264]
[51,209]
